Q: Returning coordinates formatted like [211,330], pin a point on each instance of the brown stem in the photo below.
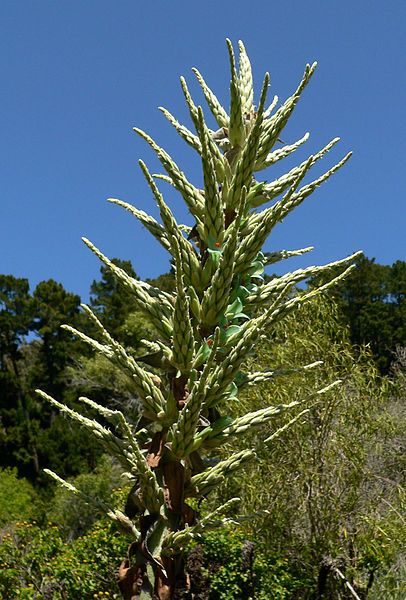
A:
[130,580]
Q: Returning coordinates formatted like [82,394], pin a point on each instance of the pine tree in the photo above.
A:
[205,329]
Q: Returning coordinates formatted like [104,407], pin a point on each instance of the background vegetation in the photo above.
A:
[327,495]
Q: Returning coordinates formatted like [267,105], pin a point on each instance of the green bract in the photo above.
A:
[207,327]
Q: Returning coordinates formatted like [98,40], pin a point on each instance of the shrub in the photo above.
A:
[18,499]
[36,562]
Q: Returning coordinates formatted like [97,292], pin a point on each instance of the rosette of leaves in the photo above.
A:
[206,328]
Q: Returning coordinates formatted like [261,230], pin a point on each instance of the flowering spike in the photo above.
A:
[149,222]
[213,229]
[190,194]
[183,131]
[276,123]
[246,81]
[236,125]
[217,110]
[183,339]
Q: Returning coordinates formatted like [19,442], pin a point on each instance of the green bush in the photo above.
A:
[17,497]
[36,562]
[222,556]
[267,577]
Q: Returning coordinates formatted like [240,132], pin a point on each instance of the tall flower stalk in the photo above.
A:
[206,328]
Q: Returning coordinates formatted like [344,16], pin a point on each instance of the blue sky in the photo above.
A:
[78,75]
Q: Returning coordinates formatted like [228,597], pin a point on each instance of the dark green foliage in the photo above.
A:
[53,306]
[373,300]
[33,436]
[64,447]
[15,316]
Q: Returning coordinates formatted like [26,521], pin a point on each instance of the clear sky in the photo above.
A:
[77,75]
